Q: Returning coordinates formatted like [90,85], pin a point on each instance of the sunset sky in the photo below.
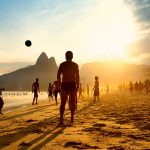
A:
[94,30]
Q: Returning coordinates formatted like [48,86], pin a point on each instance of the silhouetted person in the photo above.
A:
[57,88]
[140,87]
[83,90]
[147,85]
[1,101]
[107,88]
[50,91]
[80,91]
[70,84]
[120,87]
[131,87]
[88,90]
[35,89]
[123,87]
[96,89]
[136,87]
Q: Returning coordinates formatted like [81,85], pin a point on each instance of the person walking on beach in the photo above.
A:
[57,88]
[35,90]
[50,91]
[1,101]
[107,88]
[140,87]
[80,91]
[88,90]
[131,87]
[96,89]
[70,84]
[136,87]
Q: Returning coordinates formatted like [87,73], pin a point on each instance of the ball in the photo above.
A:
[28,43]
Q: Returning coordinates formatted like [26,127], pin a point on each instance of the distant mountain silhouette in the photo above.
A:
[45,69]
[110,72]
[113,72]
[11,66]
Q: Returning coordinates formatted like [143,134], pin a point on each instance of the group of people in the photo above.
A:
[52,89]
[138,87]
[82,91]
[67,84]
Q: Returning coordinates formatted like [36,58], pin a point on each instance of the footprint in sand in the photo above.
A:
[136,137]
[96,127]
[34,130]
[122,121]
[30,120]
[99,125]
[113,133]
[80,145]
[24,144]
[116,148]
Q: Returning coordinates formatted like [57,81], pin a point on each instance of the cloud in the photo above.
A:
[142,46]
[140,49]
[141,10]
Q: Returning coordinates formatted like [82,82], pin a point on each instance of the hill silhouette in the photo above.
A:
[110,72]
[114,72]
[45,69]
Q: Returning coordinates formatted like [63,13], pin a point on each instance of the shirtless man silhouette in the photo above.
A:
[69,84]
[35,89]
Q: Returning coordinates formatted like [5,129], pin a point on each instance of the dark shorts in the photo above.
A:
[35,93]
[96,92]
[57,91]
[68,86]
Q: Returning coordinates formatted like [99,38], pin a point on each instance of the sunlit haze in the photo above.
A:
[94,30]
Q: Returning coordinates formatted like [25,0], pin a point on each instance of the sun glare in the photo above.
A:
[115,32]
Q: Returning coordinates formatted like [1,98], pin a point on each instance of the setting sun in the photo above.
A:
[114,33]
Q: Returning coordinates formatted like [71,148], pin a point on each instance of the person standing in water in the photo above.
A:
[96,89]
[35,90]
[69,84]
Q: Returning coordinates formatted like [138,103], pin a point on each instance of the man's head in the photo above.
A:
[69,55]
[96,77]
[37,79]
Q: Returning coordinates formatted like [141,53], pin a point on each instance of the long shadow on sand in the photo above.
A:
[56,131]
[33,128]
[13,137]
[27,113]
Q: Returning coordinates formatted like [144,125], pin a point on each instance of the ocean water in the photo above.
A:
[16,99]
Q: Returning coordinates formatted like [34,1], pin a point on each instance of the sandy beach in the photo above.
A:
[118,121]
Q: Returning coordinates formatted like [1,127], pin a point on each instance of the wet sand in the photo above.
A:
[16,99]
[118,121]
